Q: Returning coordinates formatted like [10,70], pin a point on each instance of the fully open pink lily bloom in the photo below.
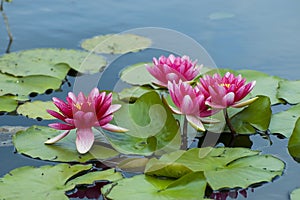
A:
[190,102]
[173,69]
[226,91]
[82,113]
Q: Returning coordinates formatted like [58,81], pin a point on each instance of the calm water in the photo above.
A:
[259,35]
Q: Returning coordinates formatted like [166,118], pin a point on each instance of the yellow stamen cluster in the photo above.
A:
[225,84]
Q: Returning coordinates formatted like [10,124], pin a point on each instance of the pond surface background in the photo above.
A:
[258,35]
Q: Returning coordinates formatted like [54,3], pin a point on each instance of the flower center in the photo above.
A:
[78,106]
[225,85]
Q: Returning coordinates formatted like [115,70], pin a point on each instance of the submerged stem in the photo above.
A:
[8,31]
[184,143]
[230,126]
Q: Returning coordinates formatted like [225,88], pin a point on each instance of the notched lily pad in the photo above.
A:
[137,74]
[31,143]
[284,121]
[132,94]
[190,186]
[116,43]
[37,109]
[225,167]
[289,91]
[256,116]
[49,182]
[8,103]
[50,62]
[23,86]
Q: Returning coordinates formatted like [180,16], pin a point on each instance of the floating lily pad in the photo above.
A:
[289,91]
[265,84]
[133,93]
[37,109]
[224,167]
[256,116]
[22,87]
[133,164]
[137,74]
[50,62]
[151,126]
[294,142]
[116,43]
[31,142]
[284,122]
[49,182]
[190,186]
[295,195]
[8,103]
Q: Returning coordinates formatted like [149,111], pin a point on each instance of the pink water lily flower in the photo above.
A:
[82,113]
[173,69]
[190,102]
[226,91]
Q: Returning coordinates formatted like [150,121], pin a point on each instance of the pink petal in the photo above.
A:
[72,96]
[187,104]
[195,122]
[57,138]
[84,140]
[60,126]
[113,108]
[228,99]
[114,128]
[56,115]
[105,120]
[174,110]
[244,103]
[93,94]
[62,106]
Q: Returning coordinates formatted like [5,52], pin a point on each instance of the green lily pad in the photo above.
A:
[151,126]
[8,103]
[37,109]
[31,143]
[294,142]
[22,87]
[256,116]
[224,167]
[265,84]
[116,43]
[48,182]
[295,195]
[190,186]
[133,164]
[50,62]
[133,93]
[289,91]
[284,122]
[137,74]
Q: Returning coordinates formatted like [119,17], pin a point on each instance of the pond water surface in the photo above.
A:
[258,35]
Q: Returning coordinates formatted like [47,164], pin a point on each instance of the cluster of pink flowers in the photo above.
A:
[210,95]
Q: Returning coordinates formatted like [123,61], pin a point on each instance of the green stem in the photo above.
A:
[230,126]
[184,143]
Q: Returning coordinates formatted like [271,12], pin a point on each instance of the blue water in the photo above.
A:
[259,35]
